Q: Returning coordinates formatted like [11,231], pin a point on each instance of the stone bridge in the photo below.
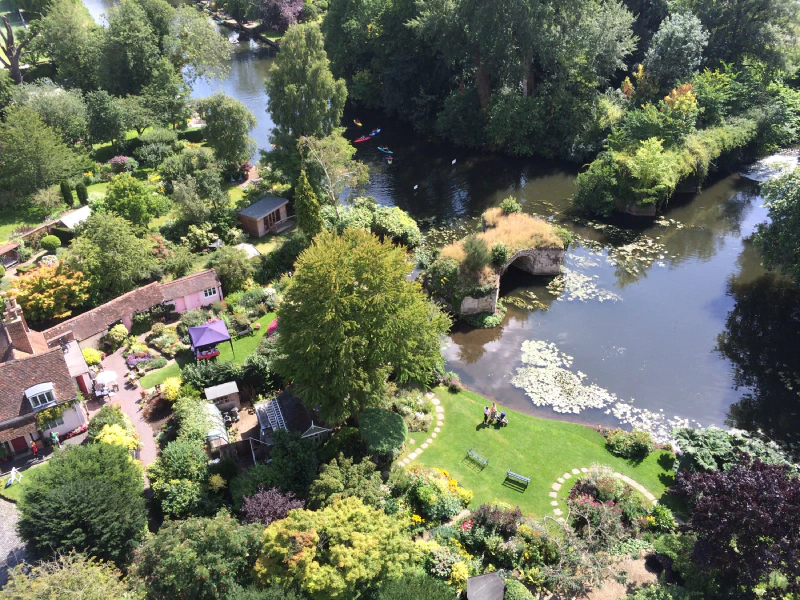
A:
[536,261]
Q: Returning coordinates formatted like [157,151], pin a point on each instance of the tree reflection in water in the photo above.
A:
[762,340]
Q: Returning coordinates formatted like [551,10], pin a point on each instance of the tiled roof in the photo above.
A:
[98,319]
[268,204]
[20,427]
[8,247]
[19,375]
[191,284]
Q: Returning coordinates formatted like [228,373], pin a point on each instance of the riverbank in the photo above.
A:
[541,449]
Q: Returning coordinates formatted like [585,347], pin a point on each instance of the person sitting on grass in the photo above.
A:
[502,421]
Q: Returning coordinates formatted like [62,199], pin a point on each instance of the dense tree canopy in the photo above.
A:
[335,551]
[108,244]
[74,41]
[228,123]
[343,478]
[676,51]
[89,499]
[130,49]
[350,319]
[62,110]
[778,238]
[134,199]
[50,292]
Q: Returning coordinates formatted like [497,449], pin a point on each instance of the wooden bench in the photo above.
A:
[518,477]
[476,457]
[244,332]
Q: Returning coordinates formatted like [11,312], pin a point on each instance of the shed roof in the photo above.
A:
[268,204]
[486,587]
[221,390]
[76,217]
[5,248]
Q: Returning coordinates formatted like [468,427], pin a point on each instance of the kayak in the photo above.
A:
[388,159]
[357,122]
[385,150]
[363,138]
[374,132]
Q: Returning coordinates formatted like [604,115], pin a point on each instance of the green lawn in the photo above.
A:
[11,219]
[243,347]
[537,448]
[14,493]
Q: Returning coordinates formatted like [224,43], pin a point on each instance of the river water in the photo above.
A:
[674,320]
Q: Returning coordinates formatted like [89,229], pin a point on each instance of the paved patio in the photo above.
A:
[130,400]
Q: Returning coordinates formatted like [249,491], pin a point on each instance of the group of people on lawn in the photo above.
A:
[490,416]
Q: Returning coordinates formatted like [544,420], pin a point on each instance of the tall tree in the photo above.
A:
[134,199]
[778,239]
[233,267]
[351,319]
[14,49]
[197,48]
[111,256]
[676,51]
[278,15]
[89,499]
[333,553]
[130,50]
[63,110]
[73,41]
[228,123]
[304,97]
[107,118]
[742,29]
[32,155]
[50,292]
[306,207]
[167,95]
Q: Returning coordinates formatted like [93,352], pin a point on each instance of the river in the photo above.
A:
[675,318]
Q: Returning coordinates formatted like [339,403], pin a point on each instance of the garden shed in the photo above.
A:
[268,215]
[76,217]
[486,587]
[8,254]
[224,396]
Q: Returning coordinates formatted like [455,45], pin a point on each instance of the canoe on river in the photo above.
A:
[363,138]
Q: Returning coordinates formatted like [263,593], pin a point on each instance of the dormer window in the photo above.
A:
[40,396]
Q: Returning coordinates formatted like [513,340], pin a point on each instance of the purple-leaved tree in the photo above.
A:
[266,506]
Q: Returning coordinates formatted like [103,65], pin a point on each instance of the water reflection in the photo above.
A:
[760,338]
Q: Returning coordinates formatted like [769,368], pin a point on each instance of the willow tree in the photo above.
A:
[351,320]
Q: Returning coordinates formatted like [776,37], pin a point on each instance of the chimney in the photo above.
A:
[16,326]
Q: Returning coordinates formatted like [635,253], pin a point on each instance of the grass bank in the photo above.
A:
[242,348]
[537,448]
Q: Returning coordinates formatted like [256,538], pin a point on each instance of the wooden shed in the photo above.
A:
[268,215]
[224,396]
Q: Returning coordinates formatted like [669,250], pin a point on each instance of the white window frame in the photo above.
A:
[52,424]
[41,396]
[209,292]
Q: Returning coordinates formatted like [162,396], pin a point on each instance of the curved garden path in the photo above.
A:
[556,487]
[439,412]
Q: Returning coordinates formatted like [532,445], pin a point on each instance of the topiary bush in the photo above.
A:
[50,243]
[516,591]
[82,192]
[383,431]
[66,193]
[635,444]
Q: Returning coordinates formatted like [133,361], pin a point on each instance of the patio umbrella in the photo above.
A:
[106,377]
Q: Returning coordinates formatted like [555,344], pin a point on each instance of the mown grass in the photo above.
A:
[14,493]
[537,448]
[242,348]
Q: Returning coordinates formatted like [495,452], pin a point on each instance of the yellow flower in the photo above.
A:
[416,519]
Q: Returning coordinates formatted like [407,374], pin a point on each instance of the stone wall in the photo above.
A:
[485,304]
[541,261]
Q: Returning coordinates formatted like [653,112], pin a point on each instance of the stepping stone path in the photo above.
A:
[560,481]
[439,409]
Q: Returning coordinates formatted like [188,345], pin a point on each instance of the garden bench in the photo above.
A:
[244,332]
[518,477]
[476,457]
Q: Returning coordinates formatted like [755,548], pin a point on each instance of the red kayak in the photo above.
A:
[363,138]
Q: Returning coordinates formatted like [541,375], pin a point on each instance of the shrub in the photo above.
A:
[516,591]
[383,431]
[156,363]
[117,336]
[171,388]
[202,559]
[510,205]
[266,506]
[152,155]
[191,318]
[661,519]
[206,373]
[281,260]
[158,329]
[498,520]
[110,414]
[347,442]
[66,193]
[68,576]
[500,254]
[159,135]
[2,271]
[191,419]
[344,478]
[82,192]
[636,444]
[476,254]
[92,356]
[418,586]
[435,495]
[89,499]
[50,243]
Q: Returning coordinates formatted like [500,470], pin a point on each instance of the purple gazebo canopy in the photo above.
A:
[209,334]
